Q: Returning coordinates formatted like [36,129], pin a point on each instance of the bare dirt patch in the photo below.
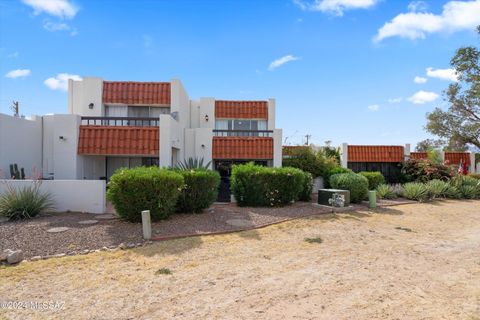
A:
[364,268]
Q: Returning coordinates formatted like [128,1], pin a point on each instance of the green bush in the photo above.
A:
[199,191]
[355,183]
[144,188]
[385,191]
[254,185]
[316,163]
[24,203]
[438,188]
[467,186]
[332,171]
[306,194]
[415,191]
[423,170]
[474,175]
[375,178]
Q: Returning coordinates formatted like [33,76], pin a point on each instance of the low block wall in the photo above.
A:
[69,195]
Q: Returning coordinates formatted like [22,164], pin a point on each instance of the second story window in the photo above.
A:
[241,127]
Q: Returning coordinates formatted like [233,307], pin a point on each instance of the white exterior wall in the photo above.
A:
[277,147]
[20,143]
[344,155]
[271,114]
[82,93]
[68,195]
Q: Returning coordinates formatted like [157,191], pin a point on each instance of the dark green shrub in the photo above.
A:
[306,194]
[375,178]
[332,171]
[355,183]
[24,203]
[254,185]
[199,191]
[316,163]
[144,188]
[423,170]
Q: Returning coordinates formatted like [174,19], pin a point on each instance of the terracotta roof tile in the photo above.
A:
[242,148]
[241,109]
[418,155]
[375,153]
[110,140]
[455,157]
[141,93]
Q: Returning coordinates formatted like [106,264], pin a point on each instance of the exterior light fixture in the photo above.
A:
[91,105]
[63,138]
[203,146]
[206,118]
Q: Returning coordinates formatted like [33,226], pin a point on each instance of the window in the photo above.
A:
[241,127]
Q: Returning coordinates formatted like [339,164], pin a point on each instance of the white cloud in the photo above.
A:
[456,16]
[444,74]
[281,61]
[336,7]
[417,6]
[422,97]
[373,107]
[19,73]
[395,100]
[58,8]
[420,80]
[59,26]
[60,82]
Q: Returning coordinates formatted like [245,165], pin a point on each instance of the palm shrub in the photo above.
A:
[355,183]
[193,163]
[24,203]
[438,188]
[375,178]
[199,191]
[144,188]
[254,185]
[415,191]
[385,191]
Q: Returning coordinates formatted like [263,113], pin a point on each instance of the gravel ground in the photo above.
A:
[415,261]
[32,237]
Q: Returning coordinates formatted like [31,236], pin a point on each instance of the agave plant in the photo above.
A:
[385,191]
[24,203]
[438,188]
[415,191]
[192,163]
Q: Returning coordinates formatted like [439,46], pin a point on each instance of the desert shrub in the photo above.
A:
[254,185]
[332,171]
[375,178]
[385,191]
[144,188]
[438,188]
[423,170]
[415,191]
[468,192]
[199,191]
[193,163]
[475,175]
[398,189]
[467,186]
[306,194]
[24,203]
[355,183]
[316,163]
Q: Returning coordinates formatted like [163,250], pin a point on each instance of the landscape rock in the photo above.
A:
[36,258]
[15,257]
[58,229]
[4,254]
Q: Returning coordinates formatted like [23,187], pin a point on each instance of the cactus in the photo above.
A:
[15,174]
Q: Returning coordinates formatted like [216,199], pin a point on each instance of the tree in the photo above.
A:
[460,124]
[439,144]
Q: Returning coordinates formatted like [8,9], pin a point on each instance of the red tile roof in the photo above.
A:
[110,140]
[418,155]
[375,154]
[241,109]
[453,158]
[290,150]
[140,93]
[242,148]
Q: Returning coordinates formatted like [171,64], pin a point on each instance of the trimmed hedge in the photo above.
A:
[200,190]
[355,183]
[144,188]
[254,185]
[306,194]
[331,172]
[375,178]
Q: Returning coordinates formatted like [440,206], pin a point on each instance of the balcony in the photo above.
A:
[121,121]
[242,144]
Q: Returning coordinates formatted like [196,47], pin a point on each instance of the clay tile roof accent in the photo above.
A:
[418,155]
[140,93]
[375,153]
[455,157]
[242,148]
[241,109]
[110,140]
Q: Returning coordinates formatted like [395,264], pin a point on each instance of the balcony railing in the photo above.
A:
[121,121]
[242,133]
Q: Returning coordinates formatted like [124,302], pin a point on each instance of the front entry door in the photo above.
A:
[224,169]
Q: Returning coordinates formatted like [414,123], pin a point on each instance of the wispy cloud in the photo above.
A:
[13,55]
[422,97]
[19,73]
[420,80]
[336,7]
[444,74]
[395,100]
[58,8]
[456,16]
[59,26]
[60,81]
[373,107]
[417,6]
[281,61]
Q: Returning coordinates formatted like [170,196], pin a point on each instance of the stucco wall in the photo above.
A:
[82,93]
[68,195]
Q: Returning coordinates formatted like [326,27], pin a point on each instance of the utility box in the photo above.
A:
[325,194]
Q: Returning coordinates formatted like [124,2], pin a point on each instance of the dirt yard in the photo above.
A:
[415,261]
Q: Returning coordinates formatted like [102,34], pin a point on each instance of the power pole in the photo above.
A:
[308,136]
[15,108]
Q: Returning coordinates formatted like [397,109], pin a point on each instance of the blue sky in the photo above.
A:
[341,70]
